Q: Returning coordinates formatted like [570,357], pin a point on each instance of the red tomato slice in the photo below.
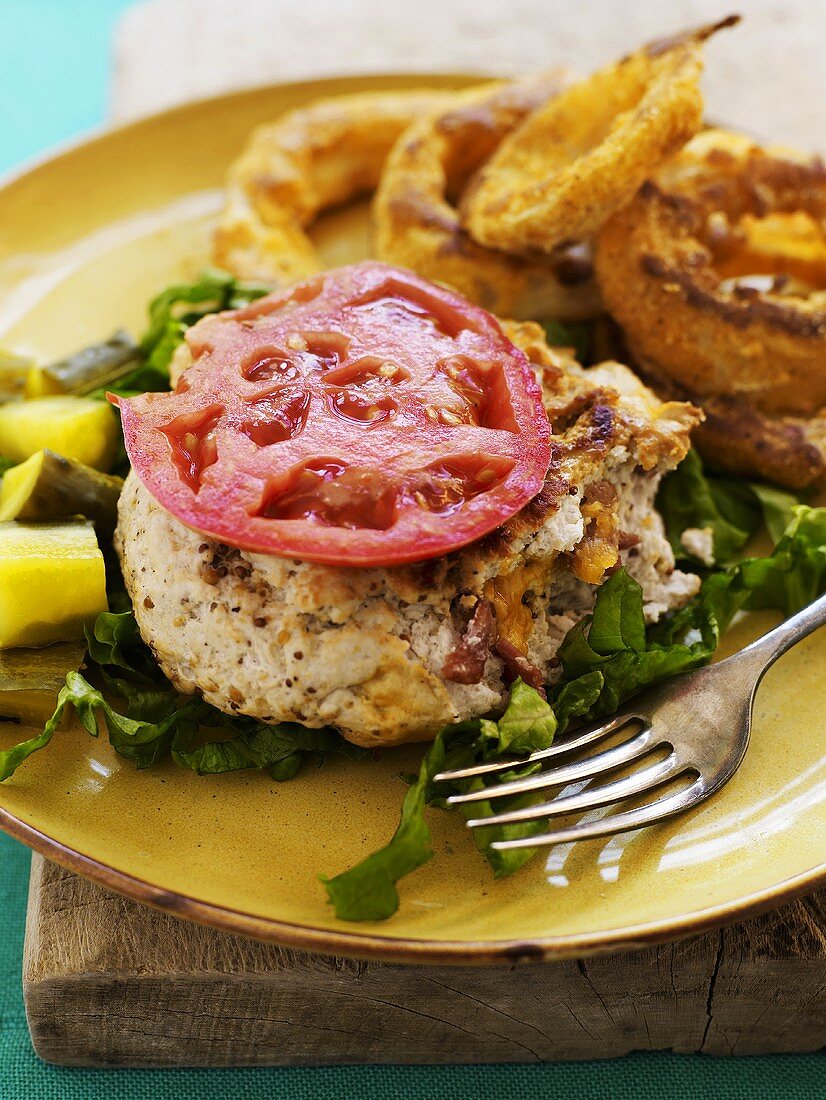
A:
[366,417]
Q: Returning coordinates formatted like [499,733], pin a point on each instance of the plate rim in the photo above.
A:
[402,949]
[92,134]
[372,946]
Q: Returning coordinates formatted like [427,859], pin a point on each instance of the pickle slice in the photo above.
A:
[30,679]
[75,427]
[52,582]
[49,486]
[92,368]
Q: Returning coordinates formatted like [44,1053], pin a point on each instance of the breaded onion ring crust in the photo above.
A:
[561,173]
[756,361]
[418,227]
[739,438]
[657,269]
[311,159]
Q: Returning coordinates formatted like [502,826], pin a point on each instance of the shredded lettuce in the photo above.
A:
[158,722]
[610,655]
[368,890]
[606,658]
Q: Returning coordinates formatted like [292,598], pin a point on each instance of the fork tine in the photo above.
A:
[579,740]
[639,783]
[582,769]
[650,814]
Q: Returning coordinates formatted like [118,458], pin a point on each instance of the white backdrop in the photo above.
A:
[767,76]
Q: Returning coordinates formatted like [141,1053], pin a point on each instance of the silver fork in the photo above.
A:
[702,718]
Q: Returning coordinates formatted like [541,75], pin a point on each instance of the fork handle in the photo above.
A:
[789,633]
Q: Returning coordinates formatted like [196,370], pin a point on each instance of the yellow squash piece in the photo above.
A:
[30,679]
[39,384]
[14,370]
[76,427]
[52,582]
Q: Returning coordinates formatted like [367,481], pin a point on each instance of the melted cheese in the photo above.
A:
[513,619]
[598,551]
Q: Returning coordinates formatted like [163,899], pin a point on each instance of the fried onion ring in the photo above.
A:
[712,296]
[314,158]
[735,436]
[417,225]
[570,164]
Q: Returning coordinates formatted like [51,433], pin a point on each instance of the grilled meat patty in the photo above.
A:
[390,655]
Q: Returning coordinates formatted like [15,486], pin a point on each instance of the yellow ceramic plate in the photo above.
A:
[85,239]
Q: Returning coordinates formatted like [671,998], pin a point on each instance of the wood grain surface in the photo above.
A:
[109,982]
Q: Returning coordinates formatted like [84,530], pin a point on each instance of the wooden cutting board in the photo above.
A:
[110,983]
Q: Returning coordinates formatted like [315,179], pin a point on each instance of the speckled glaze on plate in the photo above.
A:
[85,239]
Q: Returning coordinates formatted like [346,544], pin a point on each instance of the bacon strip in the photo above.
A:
[626,540]
[466,663]
[517,665]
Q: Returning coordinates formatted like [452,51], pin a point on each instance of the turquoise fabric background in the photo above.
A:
[54,74]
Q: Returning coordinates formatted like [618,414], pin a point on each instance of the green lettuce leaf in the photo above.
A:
[527,722]
[778,508]
[368,890]
[208,741]
[689,498]
[178,307]
[609,655]
[280,749]
[158,721]
[578,335]
[732,510]
[145,742]
[114,642]
[11,759]
[575,699]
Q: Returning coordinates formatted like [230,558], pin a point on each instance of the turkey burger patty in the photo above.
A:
[392,653]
